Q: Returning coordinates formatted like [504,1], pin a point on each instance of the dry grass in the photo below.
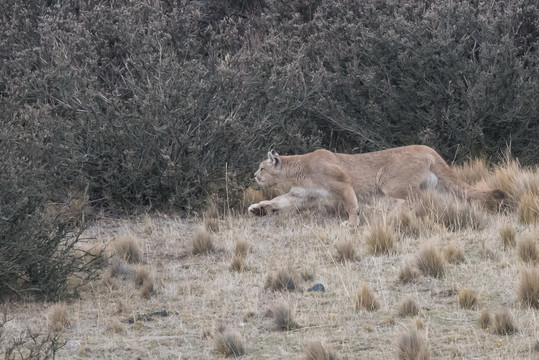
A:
[315,350]
[528,209]
[485,320]
[408,273]
[238,263]
[284,279]
[58,317]
[240,252]
[228,344]
[528,291]
[345,251]
[202,243]
[127,247]
[283,319]
[365,299]
[446,210]
[242,248]
[527,250]
[144,282]
[430,263]
[381,238]
[472,171]
[508,236]
[408,307]
[407,223]
[199,292]
[453,254]
[467,298]
[503,323]
[211,217]
[412,346]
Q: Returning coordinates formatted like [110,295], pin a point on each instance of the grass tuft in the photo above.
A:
[365,299]
[381,238]
[467,298]
[453,254]
[144,281]
[448,211]
[315,350]
[238,263]
[284,279]
[242,248]
[202,243]
[527,250]
[503,323]
[409,273]
[282,317]
[528,291]
[345,251]
[430,263]
[58,317]
[485,320]
[228,343]
[412,346]
[528,209]
[508,236]
[128,248]
[408,307]
[407,223]
[211,217]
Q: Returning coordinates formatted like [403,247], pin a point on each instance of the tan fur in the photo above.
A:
[399,172]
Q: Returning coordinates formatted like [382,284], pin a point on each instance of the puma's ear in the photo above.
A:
[274,158]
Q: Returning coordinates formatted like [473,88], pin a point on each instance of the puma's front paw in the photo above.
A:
[257,210]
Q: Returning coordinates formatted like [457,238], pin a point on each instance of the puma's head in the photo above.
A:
[269,171]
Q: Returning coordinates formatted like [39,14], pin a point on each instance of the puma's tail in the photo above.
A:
[450,182]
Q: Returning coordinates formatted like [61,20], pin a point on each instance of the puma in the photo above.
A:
[401,173]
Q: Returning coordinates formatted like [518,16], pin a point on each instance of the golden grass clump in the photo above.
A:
[141,275]
[242,248]
[128,248]
[238,263]
[58,317]
[228,343]
[453,254]
[412,346]
[407,223]
[467,298]
[485,320]
[408,307]
[144,281]
[381,238]
[202,243]
[528,209]
[282,280]
[527,250]
[365,299]
[409,273]
[345,251]
[508,236]
[315,350]
[430,263]
[211,217]
[448,211]
[528,291]
[472,171]
[240,252]
[503,323]
[283,318]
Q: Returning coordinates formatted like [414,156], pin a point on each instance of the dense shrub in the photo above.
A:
[163,103]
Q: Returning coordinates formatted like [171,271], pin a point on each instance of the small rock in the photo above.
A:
[317,287]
